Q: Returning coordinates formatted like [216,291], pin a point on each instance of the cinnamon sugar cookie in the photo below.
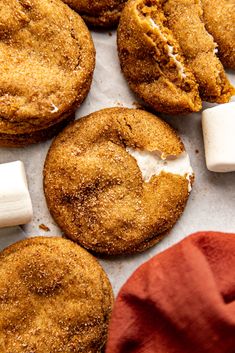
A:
[168,57]
[117,180]
[54,297]
[98,13]
[46,62]
[219,17]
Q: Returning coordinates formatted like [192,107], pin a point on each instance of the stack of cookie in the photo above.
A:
[115,181]
[47,61]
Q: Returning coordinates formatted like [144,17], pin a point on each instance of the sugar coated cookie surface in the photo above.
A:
[169,58]
[117,180]
[98,13]
[54,297]
[46,63]
[219,17]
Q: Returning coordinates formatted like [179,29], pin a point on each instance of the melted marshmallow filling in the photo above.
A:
[170,49]
[54,109]
[150,164]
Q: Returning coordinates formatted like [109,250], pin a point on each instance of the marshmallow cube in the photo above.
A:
[218,124]
[15,202]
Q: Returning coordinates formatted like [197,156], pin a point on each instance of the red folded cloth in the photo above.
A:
[181,301]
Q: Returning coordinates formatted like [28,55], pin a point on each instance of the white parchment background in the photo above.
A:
[212,202]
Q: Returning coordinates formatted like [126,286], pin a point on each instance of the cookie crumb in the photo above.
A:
[119,104]
[44,227]
[137,105]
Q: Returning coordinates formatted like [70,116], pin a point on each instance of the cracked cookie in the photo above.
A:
[98,13]
[168,57]
[117,180]
[219,17]
[54,297]
[47,60]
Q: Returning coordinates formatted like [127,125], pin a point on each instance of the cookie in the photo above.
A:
[47,60]
[117,180]
[219,17]
[168,57]
[98,13]
[54,297]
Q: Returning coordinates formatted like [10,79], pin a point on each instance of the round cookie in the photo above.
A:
[117,180]
[219,17]
[47,60]
[54,297]
[98,13]
[168,57]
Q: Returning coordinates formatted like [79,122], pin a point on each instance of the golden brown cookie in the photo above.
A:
[54,297]
[168,57]
[98,13]
[46,62]
[117,180]
[219,17]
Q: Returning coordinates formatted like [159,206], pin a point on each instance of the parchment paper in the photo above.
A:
[212,202]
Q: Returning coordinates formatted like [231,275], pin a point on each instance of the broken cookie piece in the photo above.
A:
[219,18]
[169,58]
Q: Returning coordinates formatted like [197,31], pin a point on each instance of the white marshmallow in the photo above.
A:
[170,49]
[218,124]
[15,201]
[151,163]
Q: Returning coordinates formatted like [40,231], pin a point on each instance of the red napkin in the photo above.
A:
[181,301]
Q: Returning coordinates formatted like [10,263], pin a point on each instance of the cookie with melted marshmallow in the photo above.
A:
[169,58]
[117,180]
